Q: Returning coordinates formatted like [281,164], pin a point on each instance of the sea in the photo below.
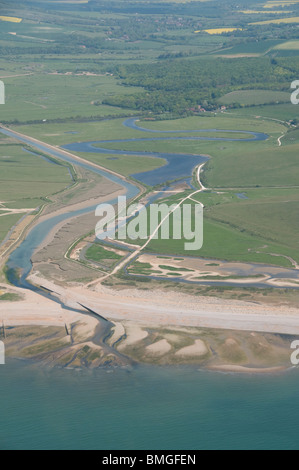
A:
[146,408]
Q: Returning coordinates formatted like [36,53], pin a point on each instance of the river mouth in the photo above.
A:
[103,329]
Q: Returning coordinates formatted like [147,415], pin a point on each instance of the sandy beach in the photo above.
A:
[34,309]
[148,326]
[174,308]
[246,370]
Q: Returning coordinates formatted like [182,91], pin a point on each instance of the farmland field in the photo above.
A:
[10,19]
[279,113]
[58,96]
[255,97]
[279,21]
[26,181]
[220,30]
[242,238]
[290,45]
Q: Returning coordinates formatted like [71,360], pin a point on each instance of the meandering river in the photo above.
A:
[177,166]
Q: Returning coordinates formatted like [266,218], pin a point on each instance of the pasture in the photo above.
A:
[246,230]
[49,96]
[26,183]
[254,97]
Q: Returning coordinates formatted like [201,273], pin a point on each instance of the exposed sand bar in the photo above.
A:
[159,348]
[197,349]
[246,370]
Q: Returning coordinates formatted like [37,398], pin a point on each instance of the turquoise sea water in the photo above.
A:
[148,408]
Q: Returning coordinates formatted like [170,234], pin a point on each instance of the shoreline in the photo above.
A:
[137,338]
[177,308]
[233,370]
[237,370]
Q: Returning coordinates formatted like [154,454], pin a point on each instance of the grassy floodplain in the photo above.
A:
[281,112]
[255,97]
[235,236]
[50,96]
[244,226]
[248,224]
[84,132]
[239,224]
[26,183]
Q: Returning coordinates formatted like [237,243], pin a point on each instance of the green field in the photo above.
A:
[254,97]
[26,178]
[289,46]
[43,96]
[104,130]
[98,253]
[216,121]
[280,112]
[26,181]
[291,137]
[231,234]
[67,132]
[258,167]
[7,222]
[125,165]
[253,47]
